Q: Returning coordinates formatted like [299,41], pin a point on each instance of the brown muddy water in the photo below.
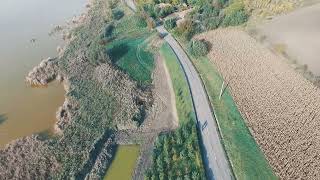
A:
[25,110]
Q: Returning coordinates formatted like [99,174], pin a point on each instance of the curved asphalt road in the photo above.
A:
[216,163]
[215,159]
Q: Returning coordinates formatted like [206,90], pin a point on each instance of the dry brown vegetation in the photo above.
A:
[281,107]
[99,99]
[23,156]
[270,7]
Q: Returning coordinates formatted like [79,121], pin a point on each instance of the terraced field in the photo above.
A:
[281,107]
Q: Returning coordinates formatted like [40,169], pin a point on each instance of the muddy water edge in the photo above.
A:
[24,42]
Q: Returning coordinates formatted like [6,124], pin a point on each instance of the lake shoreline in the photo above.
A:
[96,103]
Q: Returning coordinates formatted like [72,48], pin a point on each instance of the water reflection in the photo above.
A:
[3,118]
[24,42]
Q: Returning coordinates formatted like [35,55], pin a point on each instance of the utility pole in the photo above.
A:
[221,90]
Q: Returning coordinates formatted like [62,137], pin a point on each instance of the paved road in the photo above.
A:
[216,163]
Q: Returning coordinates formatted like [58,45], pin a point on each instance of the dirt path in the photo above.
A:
[163,114]
[281,107]
[175,119]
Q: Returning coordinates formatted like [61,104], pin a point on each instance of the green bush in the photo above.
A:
[108,30]
[170,23]
[212,23]
[235,19]
[117,14]
[198,48]
[188,28]
[163,11]
[149,9]
[209,11]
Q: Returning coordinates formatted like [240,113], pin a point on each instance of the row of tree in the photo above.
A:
[177,155]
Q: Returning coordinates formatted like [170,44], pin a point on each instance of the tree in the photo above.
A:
[170,23]
[117,14]
[198,48]
[195,175]
[235,18]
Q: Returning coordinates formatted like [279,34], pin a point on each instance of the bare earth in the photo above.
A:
[299,32]
[281,107]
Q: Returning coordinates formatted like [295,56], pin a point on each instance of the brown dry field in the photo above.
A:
[281,108]
[299,32]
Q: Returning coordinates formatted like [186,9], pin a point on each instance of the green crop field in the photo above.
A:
[247,159]
[180,85]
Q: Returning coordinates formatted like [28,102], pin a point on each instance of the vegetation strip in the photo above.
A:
[247,160]
[177,154]
[180,85]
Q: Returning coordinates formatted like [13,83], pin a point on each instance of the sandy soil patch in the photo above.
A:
[299,33]
[282,109]
[163,114]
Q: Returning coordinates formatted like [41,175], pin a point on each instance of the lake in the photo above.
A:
[25,110]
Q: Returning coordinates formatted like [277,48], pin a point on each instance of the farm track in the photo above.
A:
[281,107]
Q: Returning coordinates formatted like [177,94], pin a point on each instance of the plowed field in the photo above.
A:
[281,108]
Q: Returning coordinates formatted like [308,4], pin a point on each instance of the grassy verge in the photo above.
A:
[247,159]
[180,85]
[177,154]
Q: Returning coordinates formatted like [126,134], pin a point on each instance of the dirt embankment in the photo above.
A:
[280,106]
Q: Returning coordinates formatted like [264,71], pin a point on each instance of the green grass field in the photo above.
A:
[128,48]
[131,56]
[248,161]
[180,85]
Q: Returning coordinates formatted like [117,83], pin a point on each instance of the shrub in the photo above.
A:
[163,11]
[198,48]
[209,11]
[108,30]
[117,14]
[149,9]
[170,23]
[187,29]
[212,23]
[235,19]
